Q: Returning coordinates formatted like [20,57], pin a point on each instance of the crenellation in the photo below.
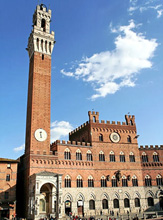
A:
[123,123]
[118,123]
[73,142]
[146,147]
[113,122]
[102,122]
[108,122]
[151,146]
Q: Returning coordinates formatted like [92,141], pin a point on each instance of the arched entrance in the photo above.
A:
[80,207]
[45,201]
[67,207]
[161,202]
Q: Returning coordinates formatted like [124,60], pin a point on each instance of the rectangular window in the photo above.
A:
[8,177]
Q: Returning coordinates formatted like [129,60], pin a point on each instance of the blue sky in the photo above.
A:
[107,57]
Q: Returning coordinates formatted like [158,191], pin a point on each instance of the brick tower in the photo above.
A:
[40,46]
[37,144]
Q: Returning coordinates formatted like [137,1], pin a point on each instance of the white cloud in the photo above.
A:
[109,71]
[159,13]
[144,6]
[21,148]
[60,129]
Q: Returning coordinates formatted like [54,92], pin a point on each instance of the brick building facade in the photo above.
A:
[100,169]
[8,180]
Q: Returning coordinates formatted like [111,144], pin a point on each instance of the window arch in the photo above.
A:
[90,181]
[128,139]
[137,202]
[126,203]
[79,181]
[89,156]
[67,181]
[100,137]
[124,181]
[144,157]
[43,24]
[132,157]
[122,157]
[104,204]
[148,181]
[112,156]
[78,155]
[134,181]
[103,181]
[37,44]
[150,201]
[155,157]
[67,154]
[159,180]
[116,204]
[101,156]
[114,181]
[91,204]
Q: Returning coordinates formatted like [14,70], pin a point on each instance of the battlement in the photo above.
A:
[43,8]
[150,147]
[79,128]
[94,118]
[76,143]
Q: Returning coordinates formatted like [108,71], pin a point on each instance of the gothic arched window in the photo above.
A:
[79,181]
[134,181]
[112,156]
[90,181]
[116,204]
[155,157]
[67,181]
[91,204]
[148,181]
[114,181]
[103,181]
[126,203]
[159,180]
[132,157]
[137,202]
[122,157]
[101,156]
[67,154]
[78,155]
[89,156]
[124,181]
[104,204]
[144,158]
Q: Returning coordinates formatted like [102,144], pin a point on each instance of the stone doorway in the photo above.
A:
[67,207]
[80,207]
[45,202]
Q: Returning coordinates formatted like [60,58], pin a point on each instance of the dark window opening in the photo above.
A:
[116,203]
[126,203]
[43,24]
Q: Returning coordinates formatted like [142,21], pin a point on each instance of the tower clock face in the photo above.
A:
[115,137]
[40,134]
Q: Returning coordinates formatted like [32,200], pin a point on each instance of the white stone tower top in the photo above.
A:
[40,39]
